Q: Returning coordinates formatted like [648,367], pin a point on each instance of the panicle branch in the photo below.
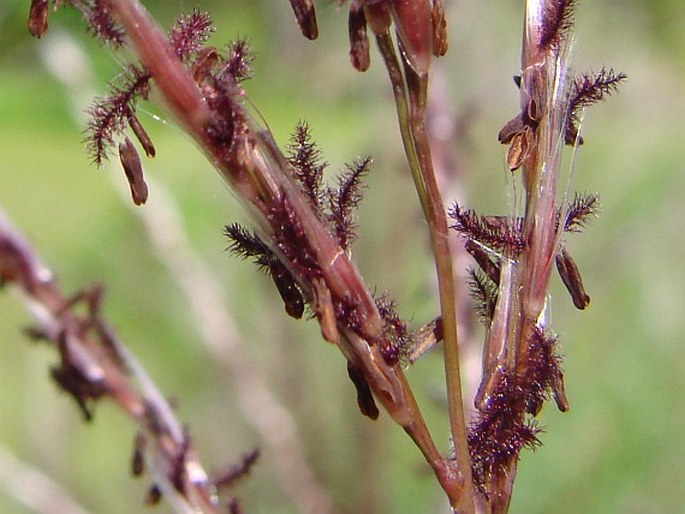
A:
[516,253]
[308,257]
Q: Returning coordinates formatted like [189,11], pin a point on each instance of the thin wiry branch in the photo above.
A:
[308,239]
[521,367]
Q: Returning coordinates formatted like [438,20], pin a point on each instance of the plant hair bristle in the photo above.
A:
[99,22]
[110,115]
[247,244]
[582,209]
[305,157]
[484,292]
[502,234]
[344,199]
[190,33]
[497,436]
[588,89]
[557,22]
[396,336]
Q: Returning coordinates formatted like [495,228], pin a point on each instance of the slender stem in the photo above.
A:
[411,115]
[437,223]
[393,390]
[399,91]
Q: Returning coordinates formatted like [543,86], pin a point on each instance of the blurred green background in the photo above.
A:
[619,449]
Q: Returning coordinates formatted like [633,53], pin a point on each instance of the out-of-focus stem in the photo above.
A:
[30,487]
[209,305]
[99,365]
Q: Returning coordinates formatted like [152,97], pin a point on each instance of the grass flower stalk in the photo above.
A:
[304,229]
